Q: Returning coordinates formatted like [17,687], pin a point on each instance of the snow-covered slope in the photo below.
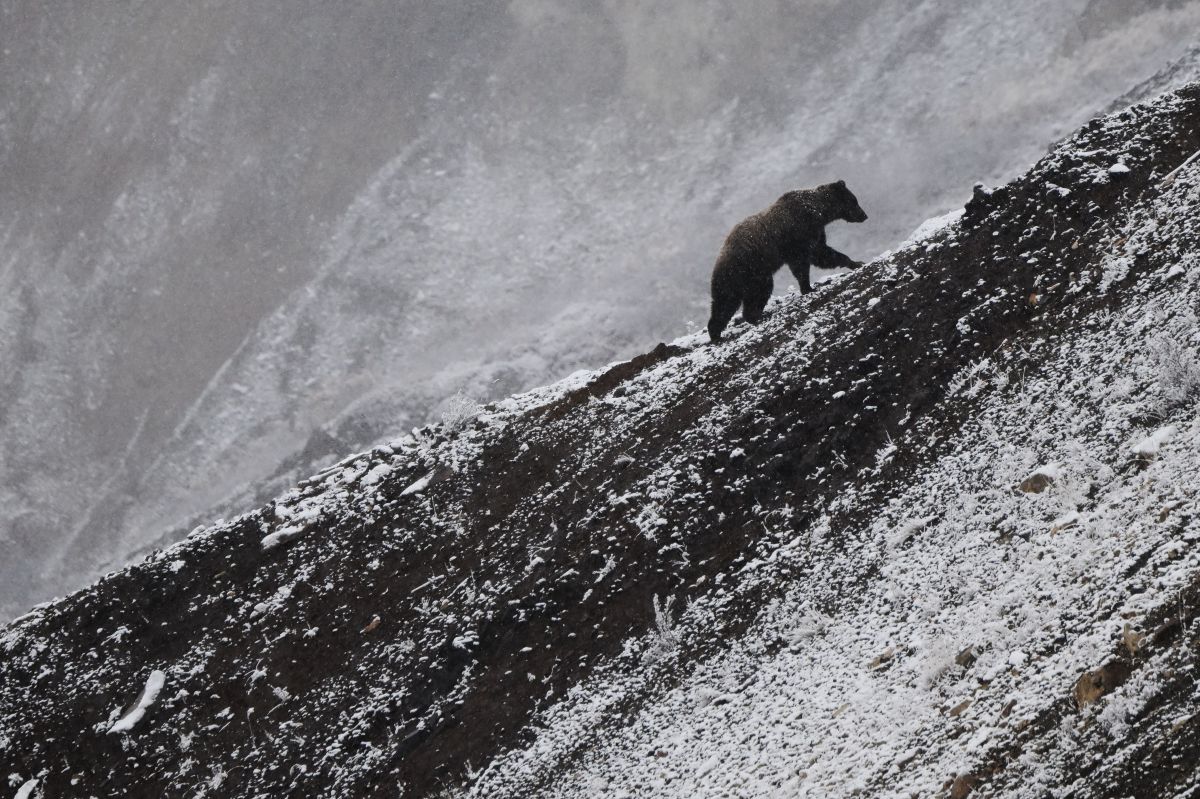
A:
[929,530]
[237,239]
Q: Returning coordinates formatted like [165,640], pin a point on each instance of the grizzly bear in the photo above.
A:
[792,232]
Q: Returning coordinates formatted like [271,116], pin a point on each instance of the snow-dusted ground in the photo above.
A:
[868,694]
[929,529]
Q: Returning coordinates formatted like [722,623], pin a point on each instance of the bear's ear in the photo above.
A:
[841,184]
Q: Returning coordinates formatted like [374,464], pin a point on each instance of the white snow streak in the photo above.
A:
[154,684]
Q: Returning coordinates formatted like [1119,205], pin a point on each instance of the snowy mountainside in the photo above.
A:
[929,530]
[240,240]
[1186,69]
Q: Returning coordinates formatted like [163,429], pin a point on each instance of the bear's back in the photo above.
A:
[753,230]
[768,238]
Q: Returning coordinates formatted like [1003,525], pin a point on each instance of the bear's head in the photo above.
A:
[841,202]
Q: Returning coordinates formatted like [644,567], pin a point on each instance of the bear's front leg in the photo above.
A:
[826,257]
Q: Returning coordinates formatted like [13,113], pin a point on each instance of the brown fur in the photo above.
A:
[792,232]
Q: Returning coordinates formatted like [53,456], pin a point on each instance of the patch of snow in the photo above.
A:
[418,486]
[276,601]
[279,536]
[906,531]
[376,474]
[154,684]
[931,227]
[1149,446]
[1068,519]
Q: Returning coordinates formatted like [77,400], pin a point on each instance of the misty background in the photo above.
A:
[241,240]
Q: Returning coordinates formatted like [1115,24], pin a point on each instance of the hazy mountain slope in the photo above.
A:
[234,238]
[1185,70]
[853,595]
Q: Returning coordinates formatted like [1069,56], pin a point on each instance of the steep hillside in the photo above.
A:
[236,238]
[929,530]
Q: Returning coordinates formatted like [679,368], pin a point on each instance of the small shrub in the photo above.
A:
[664,640]
[460,411]
[1178,373]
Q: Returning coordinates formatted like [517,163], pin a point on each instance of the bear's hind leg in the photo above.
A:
[758,293]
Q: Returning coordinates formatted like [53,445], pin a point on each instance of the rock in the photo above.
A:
[982,201]
[1166,510]
[1040,479]
[1132,639]
[962,786]
[883,660]
[1093,685]
[966,658]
